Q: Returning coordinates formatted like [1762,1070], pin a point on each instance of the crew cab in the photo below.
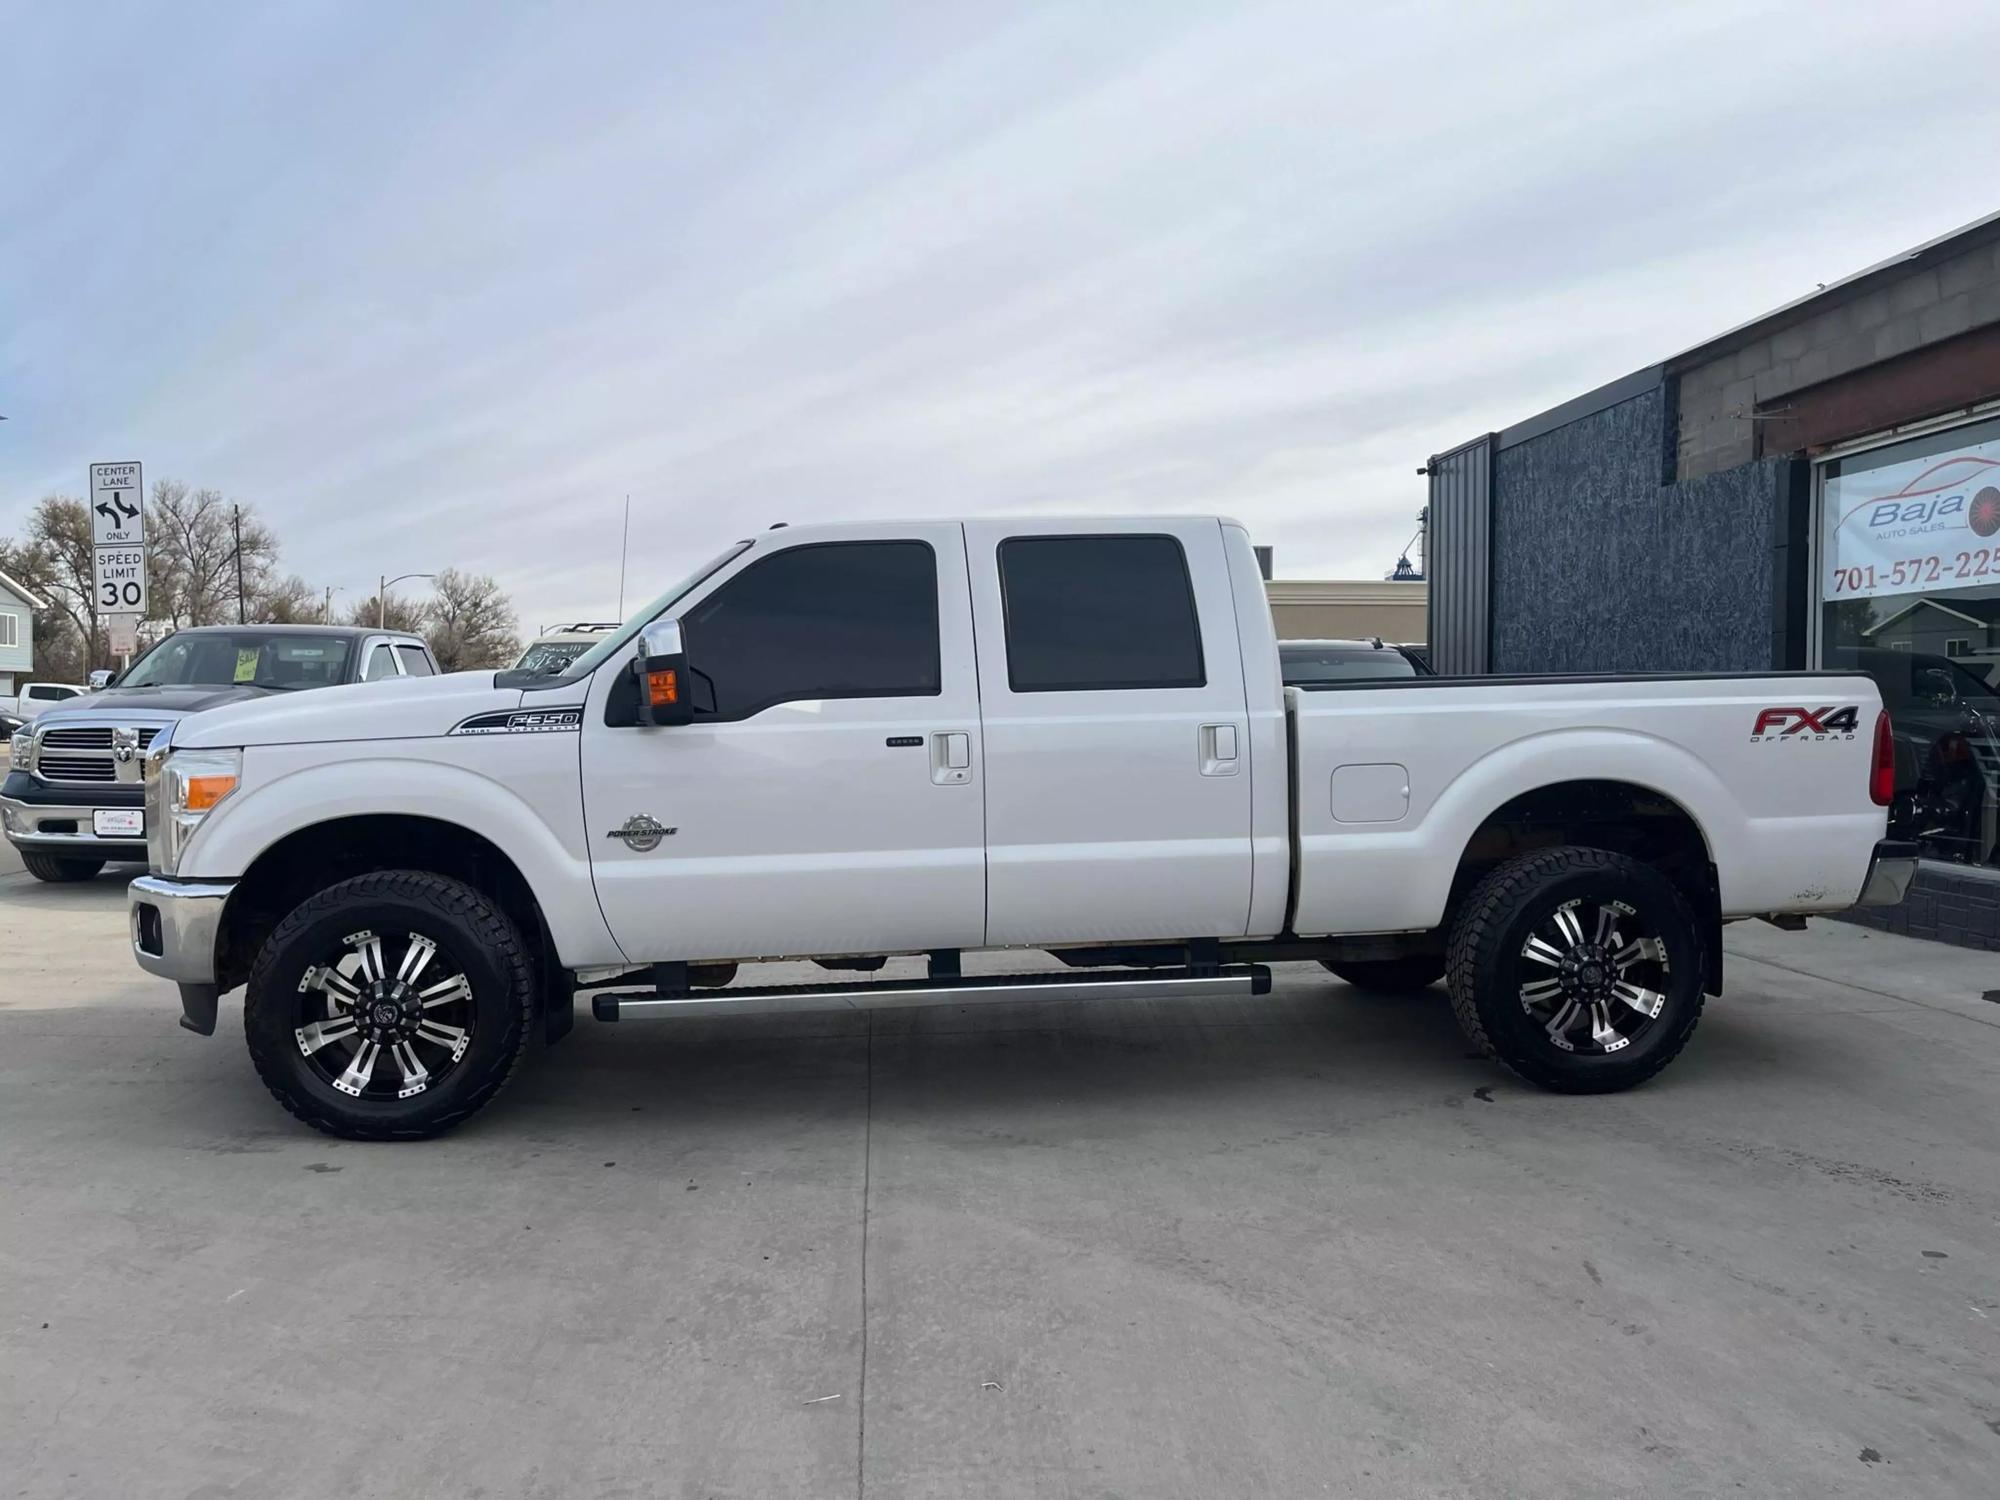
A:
[906,742]
[73,801]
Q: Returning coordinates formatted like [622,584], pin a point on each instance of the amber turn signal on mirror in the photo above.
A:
[663,689]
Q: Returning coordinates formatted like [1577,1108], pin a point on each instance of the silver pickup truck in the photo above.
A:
[73,800]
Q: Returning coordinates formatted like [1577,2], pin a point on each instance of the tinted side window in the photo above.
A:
[415,663]
[380,664]
[827,620]
[1094,612]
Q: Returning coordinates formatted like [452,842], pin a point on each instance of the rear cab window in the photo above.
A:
[1099,613]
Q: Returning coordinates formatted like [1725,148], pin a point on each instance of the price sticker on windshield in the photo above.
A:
[246,664]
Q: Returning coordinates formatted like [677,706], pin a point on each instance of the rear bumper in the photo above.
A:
[174,927]
[1890,870]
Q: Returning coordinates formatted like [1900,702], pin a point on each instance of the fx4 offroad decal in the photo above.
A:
[520,721]
[1806,725]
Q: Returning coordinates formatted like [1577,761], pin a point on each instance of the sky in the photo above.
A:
[439,285]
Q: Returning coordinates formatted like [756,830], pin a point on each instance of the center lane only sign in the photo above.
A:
[117,509]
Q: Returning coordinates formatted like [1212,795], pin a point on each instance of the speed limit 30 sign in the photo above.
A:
[121,581]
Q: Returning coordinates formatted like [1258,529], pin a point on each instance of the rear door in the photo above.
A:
[827,798]
[1117,735]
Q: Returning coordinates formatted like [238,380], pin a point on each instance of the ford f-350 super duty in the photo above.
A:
[864,742]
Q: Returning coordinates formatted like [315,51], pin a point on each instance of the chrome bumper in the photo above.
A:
[24,822]
[1890,870]
[174,927]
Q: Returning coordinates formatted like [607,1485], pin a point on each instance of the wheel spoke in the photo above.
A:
[360,1069]
[416,1077]
[369,947]
[1536,991]
[441,1035]
[419,953]
[1542,952]
[1561,1022]
[1607,927]
[1568,925]
[1639,950]
[319,1033]
[1648,1003]
[1602,1031]
[458,987]
[331,983]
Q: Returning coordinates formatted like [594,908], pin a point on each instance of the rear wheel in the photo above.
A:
[60,869]
[391,1006]
[1579,969]
[1393,976]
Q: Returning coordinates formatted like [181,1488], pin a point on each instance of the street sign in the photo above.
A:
[121,580]
[124,632]
[117,505]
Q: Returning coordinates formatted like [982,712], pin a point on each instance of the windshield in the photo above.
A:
[1341,663]
[605,649]
[249,658]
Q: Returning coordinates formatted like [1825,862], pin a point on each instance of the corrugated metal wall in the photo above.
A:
[1459,558]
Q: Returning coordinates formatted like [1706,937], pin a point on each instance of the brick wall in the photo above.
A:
[1883,318]
[1950,903]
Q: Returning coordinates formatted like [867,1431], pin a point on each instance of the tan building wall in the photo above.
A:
[1349,609]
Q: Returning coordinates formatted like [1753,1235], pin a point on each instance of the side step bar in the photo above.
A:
[1230,980]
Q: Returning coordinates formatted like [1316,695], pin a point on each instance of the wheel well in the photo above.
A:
[314,858]
[1648,826]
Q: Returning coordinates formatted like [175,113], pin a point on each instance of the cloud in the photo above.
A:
[441,288]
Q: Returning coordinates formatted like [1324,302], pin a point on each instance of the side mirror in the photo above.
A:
[100,679]
[661,670]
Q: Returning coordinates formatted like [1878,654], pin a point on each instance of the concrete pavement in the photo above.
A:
[1293,1246]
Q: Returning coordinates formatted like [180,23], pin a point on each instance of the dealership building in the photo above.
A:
[1819,487]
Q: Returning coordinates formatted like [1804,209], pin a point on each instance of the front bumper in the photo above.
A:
[57,820]
[175,924]
[1891,868]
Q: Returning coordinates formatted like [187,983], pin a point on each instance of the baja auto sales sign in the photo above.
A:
[1930,523]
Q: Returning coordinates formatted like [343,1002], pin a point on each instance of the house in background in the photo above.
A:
[17,632]
[1311,609]
[1968,629]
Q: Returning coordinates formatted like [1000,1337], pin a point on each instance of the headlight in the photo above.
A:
[21,748]
[182,788]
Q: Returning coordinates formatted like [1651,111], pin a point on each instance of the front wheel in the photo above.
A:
[1391,976]
[391,1006]
[1579,969]
[60,869]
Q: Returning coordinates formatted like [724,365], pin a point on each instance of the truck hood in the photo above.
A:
[151,703]
[400,708]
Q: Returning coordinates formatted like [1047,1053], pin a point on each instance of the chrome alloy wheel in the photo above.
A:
[421,1015]
[1593,976]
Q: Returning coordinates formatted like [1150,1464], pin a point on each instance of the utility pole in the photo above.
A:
[236,524]
[382,596]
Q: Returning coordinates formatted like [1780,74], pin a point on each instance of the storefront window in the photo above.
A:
[1909,584]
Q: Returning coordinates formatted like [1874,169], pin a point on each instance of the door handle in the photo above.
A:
[1217,746]
[951,758]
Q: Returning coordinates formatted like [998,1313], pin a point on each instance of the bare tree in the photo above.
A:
[403,614]
[59,647]
[289,601]
[470,622]
[192,535]
[59,532]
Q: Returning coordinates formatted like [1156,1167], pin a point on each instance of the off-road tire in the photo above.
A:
[60,869]
[481,937]
[1491,926]
[1408,975]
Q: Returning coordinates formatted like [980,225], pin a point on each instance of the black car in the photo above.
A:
[1303,662]
[74,800]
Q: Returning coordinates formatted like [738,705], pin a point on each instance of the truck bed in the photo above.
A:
[1392,780]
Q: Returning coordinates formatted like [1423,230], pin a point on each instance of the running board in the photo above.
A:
[1227,981]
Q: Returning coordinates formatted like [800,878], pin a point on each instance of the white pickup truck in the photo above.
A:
[856,743]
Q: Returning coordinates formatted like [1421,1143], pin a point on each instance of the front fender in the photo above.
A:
[527,805]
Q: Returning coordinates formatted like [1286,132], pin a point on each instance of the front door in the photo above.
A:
[828,798]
